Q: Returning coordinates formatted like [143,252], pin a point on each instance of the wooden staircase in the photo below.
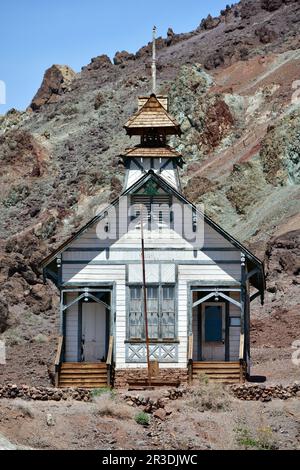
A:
[83,375]
[227,372]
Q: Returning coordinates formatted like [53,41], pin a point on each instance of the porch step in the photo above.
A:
[135,384]
[83,375]
[229,372]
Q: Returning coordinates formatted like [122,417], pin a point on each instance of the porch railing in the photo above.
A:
[58,359]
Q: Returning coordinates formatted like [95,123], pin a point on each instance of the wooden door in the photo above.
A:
[213,331]
[94,337]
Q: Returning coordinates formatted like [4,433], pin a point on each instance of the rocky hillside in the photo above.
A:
[233,87]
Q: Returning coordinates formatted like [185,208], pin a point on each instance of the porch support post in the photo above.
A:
[61,314]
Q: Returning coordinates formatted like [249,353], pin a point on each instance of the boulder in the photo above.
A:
[122,57]
[160,414]
[271,5]
[55,82]
[209,23]
[265,34]
[99,62]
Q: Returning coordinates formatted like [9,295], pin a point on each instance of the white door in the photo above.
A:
[213,331]
[93,332]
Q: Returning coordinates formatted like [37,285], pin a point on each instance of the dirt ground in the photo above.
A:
[216,419]
[109,423]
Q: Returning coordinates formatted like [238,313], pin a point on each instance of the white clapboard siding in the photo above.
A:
[95,237]
[120,324]
[223,272]
[71,322]
[119,254]
[81,273]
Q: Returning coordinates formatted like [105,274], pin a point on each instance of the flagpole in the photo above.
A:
[145,295]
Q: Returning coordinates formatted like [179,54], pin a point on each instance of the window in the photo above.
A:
[160,313]
[156,209]
[235,321]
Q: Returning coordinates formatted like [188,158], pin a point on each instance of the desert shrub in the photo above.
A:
[17,194]
[107,406]
[24,408]
[142,418]
[98,392]
[263,439]
[40,338]
[69,110]
[99,101]
[209,396]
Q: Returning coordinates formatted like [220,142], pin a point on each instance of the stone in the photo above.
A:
[271,5]
[55,82]
[209,23]
[122,57]
[160,414]
[50,420]
[99,62]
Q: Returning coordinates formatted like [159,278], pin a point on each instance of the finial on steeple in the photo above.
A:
[154,61]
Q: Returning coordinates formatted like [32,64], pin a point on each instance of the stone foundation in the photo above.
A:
[122,376]
[43,393]
[266,392]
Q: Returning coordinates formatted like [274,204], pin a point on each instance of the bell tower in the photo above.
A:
[153,124]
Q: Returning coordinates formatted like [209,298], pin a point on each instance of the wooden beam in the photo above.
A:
[217,294]
[254,296]
[110,351]
[208,296]
[190,347]
[232,301]
[242,344]
[251,273]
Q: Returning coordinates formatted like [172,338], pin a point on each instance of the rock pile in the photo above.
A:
[265,393]
[42,393]
[150,405]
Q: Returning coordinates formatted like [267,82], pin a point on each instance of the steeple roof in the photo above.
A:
[151,152]
[152,115]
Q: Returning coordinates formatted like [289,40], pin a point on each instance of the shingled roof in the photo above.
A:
[152,116]
[151,152]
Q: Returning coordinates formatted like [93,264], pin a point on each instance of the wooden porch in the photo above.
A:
[218,371]
[226,372]
[83,374]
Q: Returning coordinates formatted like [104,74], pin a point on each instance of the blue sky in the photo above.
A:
[34,34]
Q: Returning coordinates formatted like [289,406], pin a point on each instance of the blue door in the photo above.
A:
[213,332]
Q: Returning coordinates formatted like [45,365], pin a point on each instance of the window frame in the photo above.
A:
[160,288]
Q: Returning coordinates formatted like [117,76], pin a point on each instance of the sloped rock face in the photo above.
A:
[280,151]
[205,117]
[55,82]
[283,258]
[246,185]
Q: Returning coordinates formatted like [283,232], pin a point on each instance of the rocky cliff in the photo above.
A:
[233,84]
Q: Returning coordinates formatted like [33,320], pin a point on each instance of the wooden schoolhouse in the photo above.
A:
[181,297]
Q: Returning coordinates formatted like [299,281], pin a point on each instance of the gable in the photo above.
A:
[217,247]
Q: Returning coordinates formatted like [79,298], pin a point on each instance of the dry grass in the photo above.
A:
[105,405]
[209,396]
[24,408]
